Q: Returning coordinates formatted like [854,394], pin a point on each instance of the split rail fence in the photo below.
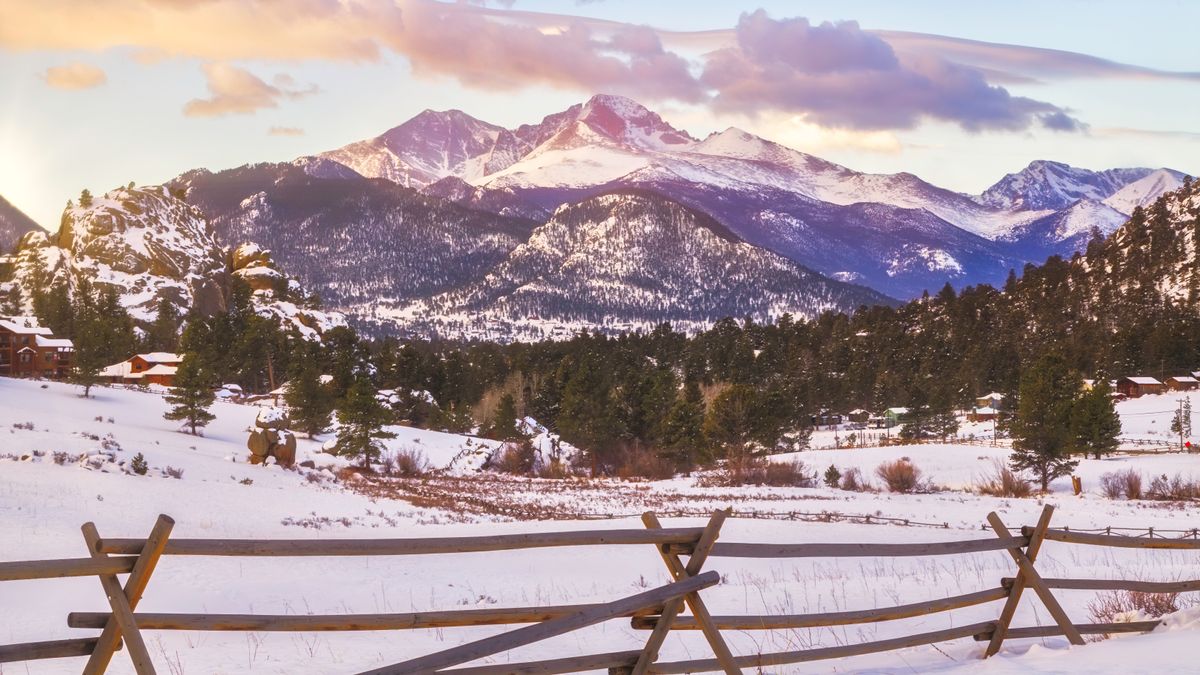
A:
[657,611]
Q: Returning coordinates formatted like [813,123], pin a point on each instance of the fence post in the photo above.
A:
[671,609]
[694,602]
[1028,576]
[123,601]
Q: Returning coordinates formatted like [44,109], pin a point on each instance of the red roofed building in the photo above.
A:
[28,349]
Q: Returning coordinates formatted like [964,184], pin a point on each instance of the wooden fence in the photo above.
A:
[657,611]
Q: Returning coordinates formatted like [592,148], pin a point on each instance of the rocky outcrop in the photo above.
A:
[271,438]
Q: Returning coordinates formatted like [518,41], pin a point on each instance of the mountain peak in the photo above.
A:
[1049,185]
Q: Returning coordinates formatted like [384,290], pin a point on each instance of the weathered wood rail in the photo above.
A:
[658,610]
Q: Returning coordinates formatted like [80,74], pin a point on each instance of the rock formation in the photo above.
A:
[271,438]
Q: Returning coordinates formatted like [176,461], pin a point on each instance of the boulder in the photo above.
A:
[285,450]
[258,444]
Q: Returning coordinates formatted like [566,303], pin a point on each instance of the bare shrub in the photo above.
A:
[172,472]
[410,462]
[1175,489]
[641,462]
[1117,484]
[853,481]
[519,459]
[1120,606]
[751,470]
[1003,482]
[900,475]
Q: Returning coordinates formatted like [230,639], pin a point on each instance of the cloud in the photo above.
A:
[237,91]
[285,131]
[839,76]
[74,76]
[460,42]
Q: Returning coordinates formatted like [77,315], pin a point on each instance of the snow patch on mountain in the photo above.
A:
[1145,191]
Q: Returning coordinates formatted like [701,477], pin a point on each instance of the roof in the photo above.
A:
[1142,380]
[161,357]
[857,411]
[121,369]
[994,394]
[24,325]
[988,410]
[897,411]
[1183,378]
[160,369]
[43,341]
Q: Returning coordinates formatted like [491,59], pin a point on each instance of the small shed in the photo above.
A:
[858,416]
[894,416]
[1136,386]
[986,414]
[1182,383]
[992,400]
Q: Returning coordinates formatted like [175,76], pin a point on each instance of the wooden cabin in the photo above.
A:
[1133,387]
[28,349]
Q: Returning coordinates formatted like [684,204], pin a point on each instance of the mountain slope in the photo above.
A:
[13,225]
[629,260]
[153,248]
[355,240]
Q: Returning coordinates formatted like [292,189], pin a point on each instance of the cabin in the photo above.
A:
[992,400]
[150,368]
[858,416]
[1133,387]
[28,349]
[1183,383]
[984,414]
[826,418]
[894,416]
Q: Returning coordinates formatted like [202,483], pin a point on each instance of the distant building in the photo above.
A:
[28,349]
[1182,383]
[826,418]
[993,400]
[1133,387]
[858,416]
[149,368]
[894,416]
[984,414]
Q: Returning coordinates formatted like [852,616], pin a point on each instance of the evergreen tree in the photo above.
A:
[192,395]
[504,421]
[682,432]
[1041,430]
[360,423]
[1095,424]
[89,340]
[309,402]
[833,477]
[85,198]
[163,334]
[733,422]
[1181,421]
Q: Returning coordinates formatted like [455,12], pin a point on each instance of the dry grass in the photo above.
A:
[1122,606]
[518,459]
[900,475]
[750,470]
[1003,482]
[641,463]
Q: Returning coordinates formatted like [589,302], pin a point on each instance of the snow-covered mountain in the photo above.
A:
[154,248]
[622,261]
[610,141]
[13,225]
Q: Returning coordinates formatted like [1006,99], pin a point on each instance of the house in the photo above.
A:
[28,349]
[894,416]
[149,368]
[1182,383]
[858,416]
[984,414]
[826,418]
[1136,386]
[992,400]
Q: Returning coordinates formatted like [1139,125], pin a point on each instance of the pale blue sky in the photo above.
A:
[55,141]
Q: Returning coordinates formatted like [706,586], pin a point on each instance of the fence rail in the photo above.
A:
[657,611]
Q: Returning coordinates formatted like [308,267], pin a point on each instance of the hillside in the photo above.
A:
[152,248]
[624,261]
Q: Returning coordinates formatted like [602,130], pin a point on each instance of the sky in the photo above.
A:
[98,94]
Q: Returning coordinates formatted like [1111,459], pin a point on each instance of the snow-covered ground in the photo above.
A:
[43,503]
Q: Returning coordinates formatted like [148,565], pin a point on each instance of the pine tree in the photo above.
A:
[163,334]
[89,338]
[192,395]
[360,424]
[682,432]
[310,403]
[833,477]
[1041,430]
[1095,424]
[85,198]
[504,422]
